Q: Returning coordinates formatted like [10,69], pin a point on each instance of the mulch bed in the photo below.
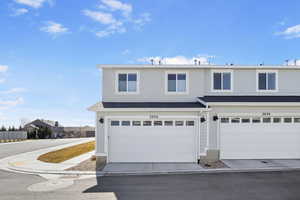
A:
[213,165]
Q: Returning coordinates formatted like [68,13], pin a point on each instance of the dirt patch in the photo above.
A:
[87,165]
[213,165]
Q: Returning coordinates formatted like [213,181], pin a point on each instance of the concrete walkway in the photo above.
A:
[28,163]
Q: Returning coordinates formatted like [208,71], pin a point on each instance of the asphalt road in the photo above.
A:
[227,186]
[10,149]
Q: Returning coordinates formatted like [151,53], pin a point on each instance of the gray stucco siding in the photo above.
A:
[152,83]
[152,86]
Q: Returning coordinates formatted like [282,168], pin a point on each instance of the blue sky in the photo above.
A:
[49,48]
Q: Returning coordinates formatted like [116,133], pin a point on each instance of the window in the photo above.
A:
[287,120]
[224,120]
[222,81]
[136,123]
[127,82]
[266,120]
[297,120]
[246,120]
[276,120]
[178,123]
[190,123]
[157,123]
[115,123]
[147,123]
[267,81]
[177,82]
[235,120]
[168,123]
[125,123]
[256,120]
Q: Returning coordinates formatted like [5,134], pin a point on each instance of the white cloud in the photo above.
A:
[5,104]
[19,11]
[126,52]
[3,68]
[177,60]
[13,91]
[2,80]
[102,17]
[293,62]
[54,28]
[142,20]
[112,25]
[291,32]
[113,22]
[115,5]
[34,3]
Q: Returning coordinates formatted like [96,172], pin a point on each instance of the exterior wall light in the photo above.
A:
[101,120]
[202,119]
[215,118]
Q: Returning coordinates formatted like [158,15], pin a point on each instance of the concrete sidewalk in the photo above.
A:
[28,163]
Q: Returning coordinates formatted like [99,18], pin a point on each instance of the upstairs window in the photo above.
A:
[177,82]
[267,81]
[127,82]
[222,81]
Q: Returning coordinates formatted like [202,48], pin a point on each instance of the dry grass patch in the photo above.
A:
[64,154]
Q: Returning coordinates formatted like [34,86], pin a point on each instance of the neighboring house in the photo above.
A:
[183,113]
[54,126]
[77,132]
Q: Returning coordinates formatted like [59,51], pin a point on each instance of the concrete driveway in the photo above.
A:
[256,164]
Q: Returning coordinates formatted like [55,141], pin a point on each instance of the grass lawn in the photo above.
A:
[64,154]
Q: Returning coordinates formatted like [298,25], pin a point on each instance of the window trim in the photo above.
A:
[117,82]
[276,79]
[186,83]
[221,71]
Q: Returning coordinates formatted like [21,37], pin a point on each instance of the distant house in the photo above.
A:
[79,131]
[54,126]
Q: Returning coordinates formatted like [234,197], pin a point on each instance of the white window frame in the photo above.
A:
[117,82]
[222,71]
[267,71]
[186,83]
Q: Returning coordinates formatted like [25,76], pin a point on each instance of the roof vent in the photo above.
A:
[287,62]
[152,61]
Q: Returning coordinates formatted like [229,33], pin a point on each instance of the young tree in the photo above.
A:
[3,128]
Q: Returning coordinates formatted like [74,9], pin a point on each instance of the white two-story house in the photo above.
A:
[183,113]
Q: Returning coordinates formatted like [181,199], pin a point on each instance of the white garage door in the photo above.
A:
[152,140]
[260,138]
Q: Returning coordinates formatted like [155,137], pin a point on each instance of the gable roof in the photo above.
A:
[249,98]
[152,105]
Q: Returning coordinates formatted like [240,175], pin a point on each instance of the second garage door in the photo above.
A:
[139,140]
[260,137]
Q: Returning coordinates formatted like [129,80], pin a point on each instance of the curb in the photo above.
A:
[178,172]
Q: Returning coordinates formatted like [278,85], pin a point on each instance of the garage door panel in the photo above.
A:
[260,141]
[152,144]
